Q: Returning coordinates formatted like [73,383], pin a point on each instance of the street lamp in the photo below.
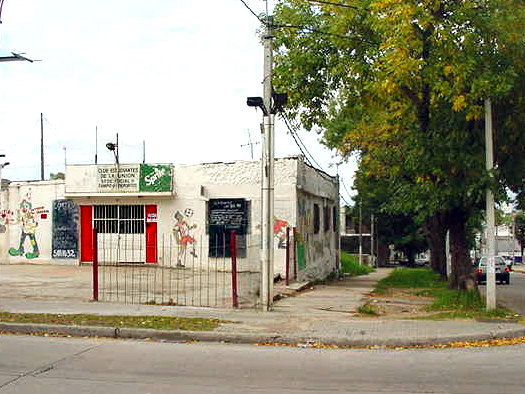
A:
[16,57]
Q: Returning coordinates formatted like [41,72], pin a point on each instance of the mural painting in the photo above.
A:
[279,232]
[183,233]
[27,218]
[7,217]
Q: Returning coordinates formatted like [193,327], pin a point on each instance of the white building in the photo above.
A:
[197,204]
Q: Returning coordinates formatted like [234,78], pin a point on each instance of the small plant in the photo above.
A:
[367,309]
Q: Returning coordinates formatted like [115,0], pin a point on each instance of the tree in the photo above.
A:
[402,82]
[58,175]
[519,232]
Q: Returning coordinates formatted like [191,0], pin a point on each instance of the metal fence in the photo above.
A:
[186,272]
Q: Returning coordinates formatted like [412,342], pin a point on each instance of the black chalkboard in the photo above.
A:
[65,230]
[225,215]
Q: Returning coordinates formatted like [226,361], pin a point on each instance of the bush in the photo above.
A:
[350,265]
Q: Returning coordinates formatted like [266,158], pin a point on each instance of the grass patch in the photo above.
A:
[350,265]
[155,322]
[448,304]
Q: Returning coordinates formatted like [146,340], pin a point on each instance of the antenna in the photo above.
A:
[250,143]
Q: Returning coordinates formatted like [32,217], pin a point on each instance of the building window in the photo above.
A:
[334,219]
[326,219]
[119,219]
[317,219]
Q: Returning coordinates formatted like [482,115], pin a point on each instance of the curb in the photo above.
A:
[243,338]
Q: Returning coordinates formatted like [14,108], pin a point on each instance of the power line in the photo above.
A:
[344,187]
[253,13]
[338,5]
[299,142]
[309,29]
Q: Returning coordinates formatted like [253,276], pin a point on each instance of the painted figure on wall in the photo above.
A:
[183,233]
[28,223]
[279,232]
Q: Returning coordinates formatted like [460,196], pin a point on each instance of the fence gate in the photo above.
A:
[184,274]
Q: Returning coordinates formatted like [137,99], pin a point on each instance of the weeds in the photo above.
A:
[350,265]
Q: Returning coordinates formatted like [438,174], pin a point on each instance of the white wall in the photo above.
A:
[40,195]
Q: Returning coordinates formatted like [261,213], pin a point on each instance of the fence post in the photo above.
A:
[95,266]
[295,253]
[287,256]
[233,254]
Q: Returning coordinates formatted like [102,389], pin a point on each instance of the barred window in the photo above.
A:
[119,219]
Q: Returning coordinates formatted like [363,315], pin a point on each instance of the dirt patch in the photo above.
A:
[397,303]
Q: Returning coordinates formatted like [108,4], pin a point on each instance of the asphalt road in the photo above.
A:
[72,365]
[513,295]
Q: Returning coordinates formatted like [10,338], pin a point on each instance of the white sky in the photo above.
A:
[172,73]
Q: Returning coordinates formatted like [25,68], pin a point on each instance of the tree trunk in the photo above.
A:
[435,231]
[462,271]
[383,254]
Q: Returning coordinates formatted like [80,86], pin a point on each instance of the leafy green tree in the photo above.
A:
[402,82]
[519,229]
[58,175]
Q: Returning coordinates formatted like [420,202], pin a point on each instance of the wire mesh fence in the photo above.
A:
[193,272]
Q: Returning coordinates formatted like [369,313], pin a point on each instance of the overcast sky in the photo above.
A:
[172,73]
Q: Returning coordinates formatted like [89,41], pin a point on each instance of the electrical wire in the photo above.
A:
[316,31]
[299,142]
[337,4]
[346,190]
[253,13]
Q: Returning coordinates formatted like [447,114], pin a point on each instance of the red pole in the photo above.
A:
[287,256]
[233,253]
[95,266]
[295,253]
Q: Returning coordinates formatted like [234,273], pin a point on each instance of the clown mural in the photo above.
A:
[27,220]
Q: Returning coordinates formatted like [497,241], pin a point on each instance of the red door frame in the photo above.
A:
[151,233]
[86,233]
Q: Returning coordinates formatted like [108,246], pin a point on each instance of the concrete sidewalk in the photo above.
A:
[324,314]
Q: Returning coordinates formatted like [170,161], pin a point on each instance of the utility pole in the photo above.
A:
[41,146]
[372,256]
[267,197]
[491,241]
[96,145]
[360,236]
[270,103]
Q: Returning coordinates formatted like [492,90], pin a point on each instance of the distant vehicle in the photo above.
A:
[500,265]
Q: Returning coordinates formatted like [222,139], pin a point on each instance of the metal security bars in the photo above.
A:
[185,273]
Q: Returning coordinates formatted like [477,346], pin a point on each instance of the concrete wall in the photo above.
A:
[27,207]
[320,246]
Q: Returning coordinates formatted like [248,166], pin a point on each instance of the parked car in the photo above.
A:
[500,265]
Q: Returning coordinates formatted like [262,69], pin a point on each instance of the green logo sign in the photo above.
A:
[155,178]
